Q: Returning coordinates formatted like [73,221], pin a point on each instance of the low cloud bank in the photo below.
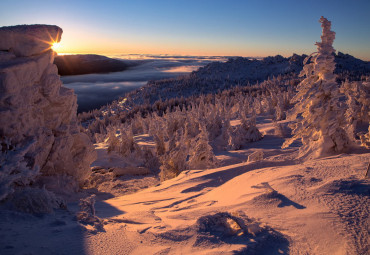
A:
[95,90]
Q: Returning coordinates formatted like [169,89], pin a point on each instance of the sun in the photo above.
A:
[55,46]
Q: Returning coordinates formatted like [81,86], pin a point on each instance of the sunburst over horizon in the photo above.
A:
[56,46]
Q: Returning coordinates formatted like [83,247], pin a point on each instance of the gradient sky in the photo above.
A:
[197,27]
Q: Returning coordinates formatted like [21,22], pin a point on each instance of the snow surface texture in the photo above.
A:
[274,206]
[38,132]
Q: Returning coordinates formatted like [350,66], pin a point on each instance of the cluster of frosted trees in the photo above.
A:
[186,132]
[327,117]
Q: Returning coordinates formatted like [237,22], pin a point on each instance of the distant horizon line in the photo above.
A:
[190,55]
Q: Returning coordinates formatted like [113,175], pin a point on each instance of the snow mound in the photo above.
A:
[226,233]
[34,201]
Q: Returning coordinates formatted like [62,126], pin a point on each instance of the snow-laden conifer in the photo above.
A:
[320,126]
[244,133]
[201,155]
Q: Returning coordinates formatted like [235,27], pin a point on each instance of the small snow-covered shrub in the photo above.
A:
[86,214]
[34,200]
[87,207]
[242,134]
[173,164]
[123,142]
[201,154]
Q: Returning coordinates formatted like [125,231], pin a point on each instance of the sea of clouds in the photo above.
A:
[96,90]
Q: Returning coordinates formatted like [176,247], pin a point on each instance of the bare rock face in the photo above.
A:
[37,113]
[29,40]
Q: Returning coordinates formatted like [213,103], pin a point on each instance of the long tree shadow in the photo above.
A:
[272,193]
[218,178]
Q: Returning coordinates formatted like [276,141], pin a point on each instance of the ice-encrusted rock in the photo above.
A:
[36,111]
[29,40]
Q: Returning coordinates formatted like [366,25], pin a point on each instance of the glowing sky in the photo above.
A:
[197,27]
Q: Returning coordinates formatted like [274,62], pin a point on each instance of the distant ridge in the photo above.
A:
[237,71]
[86,64]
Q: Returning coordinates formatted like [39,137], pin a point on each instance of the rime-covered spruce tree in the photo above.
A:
[320,126]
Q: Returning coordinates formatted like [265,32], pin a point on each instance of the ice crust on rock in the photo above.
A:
[35,107]
[29,40]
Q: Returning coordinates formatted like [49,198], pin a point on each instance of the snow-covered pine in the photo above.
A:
[320,126]
[173,163]
[244,133]
[113,141]
[201,155]
[160,145]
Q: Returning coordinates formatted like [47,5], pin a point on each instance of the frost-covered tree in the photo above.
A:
[123,142]
[201,155]
[358,104]
[320,126]
[173,163]
[159,144]
[244,133]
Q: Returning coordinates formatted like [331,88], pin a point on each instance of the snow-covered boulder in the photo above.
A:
[29,40]
[36,111]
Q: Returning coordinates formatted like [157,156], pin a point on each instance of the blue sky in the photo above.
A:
[201,27]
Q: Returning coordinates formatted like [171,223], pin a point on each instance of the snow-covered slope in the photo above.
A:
[274,206]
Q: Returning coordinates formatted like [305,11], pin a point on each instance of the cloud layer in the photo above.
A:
[96,90]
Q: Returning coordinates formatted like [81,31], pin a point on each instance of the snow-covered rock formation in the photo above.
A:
[25,41]
[38,115]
